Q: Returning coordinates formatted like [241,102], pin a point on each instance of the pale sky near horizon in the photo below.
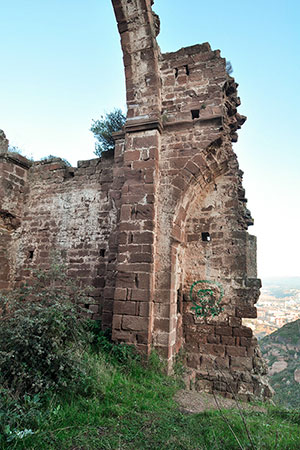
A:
[62,67]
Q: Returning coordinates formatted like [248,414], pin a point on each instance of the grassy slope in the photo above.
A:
[132,407]
[287,391]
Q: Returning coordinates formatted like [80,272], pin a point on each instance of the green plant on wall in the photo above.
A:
[206,300]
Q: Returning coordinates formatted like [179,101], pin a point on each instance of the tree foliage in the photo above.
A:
[103,129]
[229,68]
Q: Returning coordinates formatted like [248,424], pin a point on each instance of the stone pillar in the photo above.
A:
[133,299]
[133,305]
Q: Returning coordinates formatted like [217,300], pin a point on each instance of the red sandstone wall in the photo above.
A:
[13,175]
[133,303]
[195,150]
[134,228]
[181,180]
[219,341]
[200,191]
[67,214]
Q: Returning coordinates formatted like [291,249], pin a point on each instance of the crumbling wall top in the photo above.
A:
[3,142]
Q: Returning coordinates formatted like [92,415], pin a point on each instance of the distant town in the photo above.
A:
[279,303]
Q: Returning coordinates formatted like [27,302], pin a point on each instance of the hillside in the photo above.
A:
[281,349]
[278,304]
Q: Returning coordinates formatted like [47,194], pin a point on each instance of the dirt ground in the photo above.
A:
[192,402]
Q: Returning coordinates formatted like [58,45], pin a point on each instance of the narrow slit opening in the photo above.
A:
[205,237]
[195,113]
[179,301]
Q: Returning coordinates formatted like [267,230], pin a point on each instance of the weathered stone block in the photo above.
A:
[241,363]
[243,332]
[127,308]
[235,351]
[135,323]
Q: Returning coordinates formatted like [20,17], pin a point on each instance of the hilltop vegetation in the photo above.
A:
[65,385]
[282,352]
[131,406]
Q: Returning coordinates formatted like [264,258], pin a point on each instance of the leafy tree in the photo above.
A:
[104,128]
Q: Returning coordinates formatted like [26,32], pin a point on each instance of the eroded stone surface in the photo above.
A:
[3,142]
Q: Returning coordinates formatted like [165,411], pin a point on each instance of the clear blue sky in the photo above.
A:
[62,67]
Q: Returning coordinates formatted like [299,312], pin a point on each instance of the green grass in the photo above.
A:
[132,407]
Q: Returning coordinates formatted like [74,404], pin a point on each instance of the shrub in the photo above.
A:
[42,335]
[18,416]
[119,353]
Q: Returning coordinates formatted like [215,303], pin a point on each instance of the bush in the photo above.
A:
[18,416]
[119,353]
[42,335]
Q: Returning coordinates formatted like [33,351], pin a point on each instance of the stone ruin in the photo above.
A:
[159,227]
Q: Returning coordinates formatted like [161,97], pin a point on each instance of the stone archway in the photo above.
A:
[209,242]
[217,268]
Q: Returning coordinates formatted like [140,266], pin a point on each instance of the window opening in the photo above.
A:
[195,113]
[205,237]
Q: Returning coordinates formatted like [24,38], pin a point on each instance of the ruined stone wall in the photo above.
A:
[219,349]
[135,276]
[52,212]
[161,226]
[202,225]
[183,193]
[13,176]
